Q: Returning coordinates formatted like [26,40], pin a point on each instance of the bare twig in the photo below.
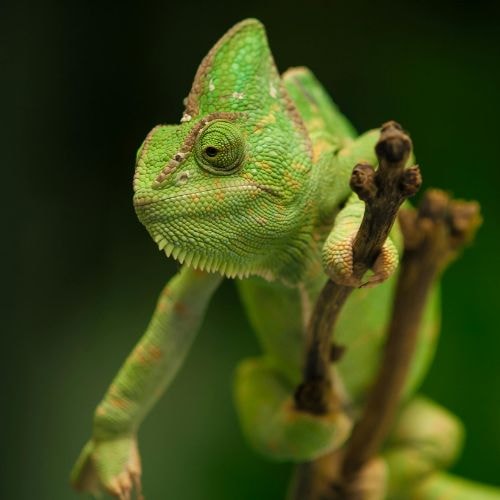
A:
[383,190]
[433,236]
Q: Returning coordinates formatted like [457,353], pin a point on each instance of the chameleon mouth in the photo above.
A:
[206,263]
[211,264]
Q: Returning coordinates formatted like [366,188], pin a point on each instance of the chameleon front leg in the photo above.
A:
[337,252]
[110,460]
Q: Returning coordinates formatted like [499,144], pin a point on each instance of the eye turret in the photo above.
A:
[220,148]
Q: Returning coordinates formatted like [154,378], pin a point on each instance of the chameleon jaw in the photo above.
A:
[211,264]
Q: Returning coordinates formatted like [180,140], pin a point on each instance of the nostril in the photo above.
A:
[182,178]
[170,167]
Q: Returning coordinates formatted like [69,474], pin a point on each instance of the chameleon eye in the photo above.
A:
[211,151]
[220,147]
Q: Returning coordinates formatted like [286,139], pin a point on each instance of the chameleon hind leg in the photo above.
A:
[441,486]
[270,422]
[426,440]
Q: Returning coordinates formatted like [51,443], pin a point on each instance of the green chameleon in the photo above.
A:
[254,184]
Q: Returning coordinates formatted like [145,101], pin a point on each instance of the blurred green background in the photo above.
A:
[81,84]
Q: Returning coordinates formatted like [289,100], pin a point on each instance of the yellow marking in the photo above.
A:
[263,165]
[266,120]
[315,123]
[140,355]
[300,167]
[292,182]
[319,147]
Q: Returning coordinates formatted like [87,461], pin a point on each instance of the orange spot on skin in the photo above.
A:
[119,403]
[147,356]
[180,308]
[219,195]
[155,353]
[194,198]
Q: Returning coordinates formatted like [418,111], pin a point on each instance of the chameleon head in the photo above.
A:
[228,189]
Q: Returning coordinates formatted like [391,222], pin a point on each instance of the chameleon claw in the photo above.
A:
[112,466]
[384,266]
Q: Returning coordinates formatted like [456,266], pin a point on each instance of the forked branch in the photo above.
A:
[433,236]
[383,191]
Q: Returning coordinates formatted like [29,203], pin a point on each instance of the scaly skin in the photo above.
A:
[253,183]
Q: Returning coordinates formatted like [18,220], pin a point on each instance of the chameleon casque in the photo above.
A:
[254,184]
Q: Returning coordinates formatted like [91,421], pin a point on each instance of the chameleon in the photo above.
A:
[253,185]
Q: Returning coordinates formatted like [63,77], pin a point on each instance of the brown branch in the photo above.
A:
[383,190]
[433,236]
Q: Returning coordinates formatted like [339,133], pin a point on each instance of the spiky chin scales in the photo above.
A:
[209,263]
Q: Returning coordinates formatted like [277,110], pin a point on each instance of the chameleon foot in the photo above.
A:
[273,424]
[384,266]
[113,466]
[338,262]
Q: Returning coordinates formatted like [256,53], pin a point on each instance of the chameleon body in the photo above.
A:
[253,184]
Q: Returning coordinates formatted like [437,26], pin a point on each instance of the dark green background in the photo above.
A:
[81,85]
